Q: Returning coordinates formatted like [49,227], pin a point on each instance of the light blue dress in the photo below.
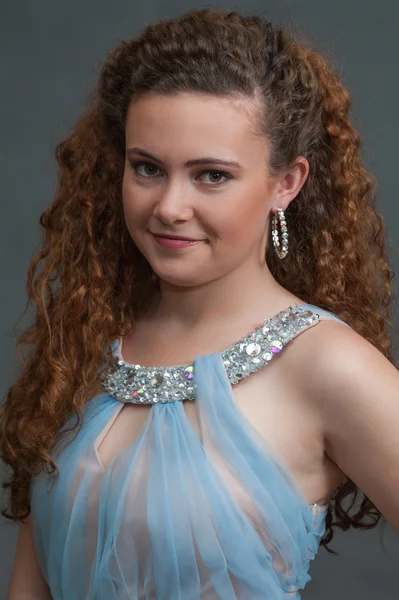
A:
[160,522]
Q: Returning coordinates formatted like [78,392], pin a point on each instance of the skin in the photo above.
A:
[224,274]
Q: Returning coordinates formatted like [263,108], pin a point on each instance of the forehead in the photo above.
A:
[189,124]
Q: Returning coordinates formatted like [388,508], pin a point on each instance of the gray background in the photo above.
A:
[51,52]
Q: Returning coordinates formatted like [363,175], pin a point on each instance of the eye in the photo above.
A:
[136,164]
[139,163]
[220,173]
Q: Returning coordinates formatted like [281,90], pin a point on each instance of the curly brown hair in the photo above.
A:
[86,293]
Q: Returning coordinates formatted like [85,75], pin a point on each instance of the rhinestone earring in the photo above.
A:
[276,242]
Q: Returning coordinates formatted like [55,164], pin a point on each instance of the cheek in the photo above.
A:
[135,209]
[126,184]
[243,224]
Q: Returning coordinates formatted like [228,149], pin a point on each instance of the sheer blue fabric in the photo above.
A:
[175,516]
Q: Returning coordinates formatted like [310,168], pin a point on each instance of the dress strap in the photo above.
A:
[323,313]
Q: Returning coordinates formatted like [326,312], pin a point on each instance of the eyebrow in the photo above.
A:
[207,160]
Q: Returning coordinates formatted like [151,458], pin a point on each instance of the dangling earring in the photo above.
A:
[276,242]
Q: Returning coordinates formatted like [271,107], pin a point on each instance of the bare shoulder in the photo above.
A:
[313,360]
[329,356]
[330,353]
[355,390]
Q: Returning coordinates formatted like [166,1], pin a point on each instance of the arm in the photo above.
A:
[27,581]
[357,390]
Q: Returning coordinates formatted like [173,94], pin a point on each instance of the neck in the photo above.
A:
[222,299]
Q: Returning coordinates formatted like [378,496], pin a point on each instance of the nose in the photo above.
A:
[172,205]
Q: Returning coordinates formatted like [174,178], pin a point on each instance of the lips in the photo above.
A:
[175,241]
[177,237]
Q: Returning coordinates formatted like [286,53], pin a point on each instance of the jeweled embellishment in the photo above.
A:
[156,380]
[276,346]
[150,385]
[189,372]
[253,349]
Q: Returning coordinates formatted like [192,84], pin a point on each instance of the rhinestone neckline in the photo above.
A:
[149,385]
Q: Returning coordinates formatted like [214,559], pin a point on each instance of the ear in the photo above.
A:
[290,184]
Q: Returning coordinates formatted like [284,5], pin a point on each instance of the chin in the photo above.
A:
[190,278]
[180,281]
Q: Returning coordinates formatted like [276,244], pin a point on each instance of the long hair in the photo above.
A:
[93,282]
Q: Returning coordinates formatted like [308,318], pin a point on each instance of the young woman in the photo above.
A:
[211,374]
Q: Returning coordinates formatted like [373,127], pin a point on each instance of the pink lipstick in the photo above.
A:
[174,243]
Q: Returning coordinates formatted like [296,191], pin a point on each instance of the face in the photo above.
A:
[224,207]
